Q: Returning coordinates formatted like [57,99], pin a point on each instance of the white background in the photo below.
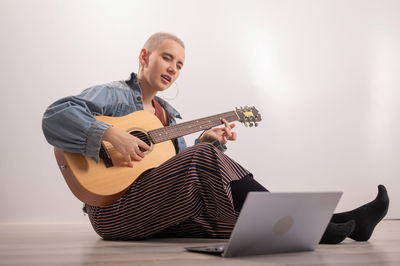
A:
[324,75]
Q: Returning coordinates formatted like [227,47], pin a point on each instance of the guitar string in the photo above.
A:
[199,124]
[196,123]
[181,131]
[183,127]
[162,134]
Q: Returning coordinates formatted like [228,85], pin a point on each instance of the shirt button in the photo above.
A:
[139,98]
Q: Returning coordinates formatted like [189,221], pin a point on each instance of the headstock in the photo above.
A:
[248,115]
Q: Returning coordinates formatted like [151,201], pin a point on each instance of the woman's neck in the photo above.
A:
[147,95]
[148,92]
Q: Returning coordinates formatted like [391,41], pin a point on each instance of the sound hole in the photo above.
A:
[142,136]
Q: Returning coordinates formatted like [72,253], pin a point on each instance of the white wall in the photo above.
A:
[324,75]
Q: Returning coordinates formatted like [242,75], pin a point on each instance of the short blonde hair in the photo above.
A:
[154,40]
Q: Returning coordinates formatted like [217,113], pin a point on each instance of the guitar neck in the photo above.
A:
[186,128]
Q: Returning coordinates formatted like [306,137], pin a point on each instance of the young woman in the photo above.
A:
[197,193]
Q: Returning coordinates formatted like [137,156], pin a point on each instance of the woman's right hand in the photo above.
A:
[127,144]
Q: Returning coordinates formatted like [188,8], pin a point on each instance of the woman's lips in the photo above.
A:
[166,79]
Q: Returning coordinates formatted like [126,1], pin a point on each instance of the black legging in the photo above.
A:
[241,187]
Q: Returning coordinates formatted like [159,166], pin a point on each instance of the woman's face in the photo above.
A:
[163,65]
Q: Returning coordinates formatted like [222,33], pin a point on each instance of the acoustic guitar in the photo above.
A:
[102,183]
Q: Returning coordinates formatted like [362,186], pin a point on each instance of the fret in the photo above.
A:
[178,130]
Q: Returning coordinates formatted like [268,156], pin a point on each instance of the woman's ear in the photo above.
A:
[144,57]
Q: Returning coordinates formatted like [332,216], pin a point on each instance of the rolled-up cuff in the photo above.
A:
[219,145]
[93,143]
[216,143]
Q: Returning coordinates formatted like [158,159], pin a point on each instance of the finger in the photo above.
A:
[227,132]
[143,145]
[138,151]
[225,122]
[228,126]
[234,136]
[128,159]
[135,154]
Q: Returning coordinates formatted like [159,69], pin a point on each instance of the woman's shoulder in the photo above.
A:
[168,107]
[110,87]
[117,91]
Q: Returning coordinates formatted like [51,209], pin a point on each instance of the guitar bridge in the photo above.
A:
[105,156]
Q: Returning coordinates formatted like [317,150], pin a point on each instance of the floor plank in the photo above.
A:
[77,244]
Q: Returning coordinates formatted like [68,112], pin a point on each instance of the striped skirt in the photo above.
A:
[187,196]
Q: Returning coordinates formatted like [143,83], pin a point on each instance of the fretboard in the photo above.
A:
[186,128]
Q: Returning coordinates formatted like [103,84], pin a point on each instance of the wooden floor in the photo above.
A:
[79,245]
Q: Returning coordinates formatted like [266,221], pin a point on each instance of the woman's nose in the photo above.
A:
[171,70]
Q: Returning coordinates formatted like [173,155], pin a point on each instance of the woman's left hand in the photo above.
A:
[222,134]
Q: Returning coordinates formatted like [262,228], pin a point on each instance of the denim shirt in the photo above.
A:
[69,123]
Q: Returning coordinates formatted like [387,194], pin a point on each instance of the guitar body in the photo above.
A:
[99,185]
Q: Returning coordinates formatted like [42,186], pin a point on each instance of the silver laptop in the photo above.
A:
[278,222]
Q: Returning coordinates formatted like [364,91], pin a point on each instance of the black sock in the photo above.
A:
[366,216]
[241,187]
[337,232]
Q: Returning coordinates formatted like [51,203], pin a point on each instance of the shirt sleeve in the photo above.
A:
[216,143]
[70,125]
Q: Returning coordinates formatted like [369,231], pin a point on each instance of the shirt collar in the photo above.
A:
[134,85]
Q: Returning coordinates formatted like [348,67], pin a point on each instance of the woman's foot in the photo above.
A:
[337,232]
[366,216]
